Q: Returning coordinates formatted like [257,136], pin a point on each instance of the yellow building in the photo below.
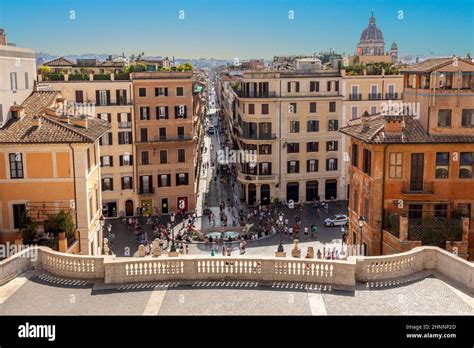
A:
[113,102]
[50,162]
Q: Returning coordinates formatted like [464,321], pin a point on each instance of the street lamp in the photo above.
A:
[342,236]
[361,225]
[173,246]
[102,224]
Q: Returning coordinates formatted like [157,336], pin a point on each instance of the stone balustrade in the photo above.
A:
[338,273]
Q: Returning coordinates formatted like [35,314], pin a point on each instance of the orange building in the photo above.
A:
[50,162]
[165,122]
[411,171]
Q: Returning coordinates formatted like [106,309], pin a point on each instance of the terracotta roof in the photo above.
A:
[111,64]
[433,64]
[372,131]
[52,129]
[61,61]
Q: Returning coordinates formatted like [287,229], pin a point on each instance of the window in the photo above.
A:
[144,113]
[19,215]
[333,125]
[331,164]
[294,126]
[373,110]
[251,109]
[312,146]
[467,118]
[126,160]
[354,112]
[465,169]
[265,149]
[107,185]
[162,112]
[146,184]
[181,133]
[265,110]
[467,80]
[292,108]
[331,145]
[442,165]
[181,179]
[162,132]
[106,139]
[332,106]
[395,164]
[293,167]
[355,155]
[145,157]
[441,210]
[265,168]
[293,148]
[102,97]
[312,165]
[179,91]
[144,134]
[444,118]
[27,81]
[312,107]
[106,117]
[16,165]
[366,209]
[180,111]
[181,155]
[79,96]
[161,92]
[313,126]
[328,88]
[142,92]
[121,96]
[164,180]
[355,202]
[366,161]
[13,81]
[314,86]
[106,161]
[88,155]
[163,157]
[125,138]
[127,183]
[1,113]
[296,84]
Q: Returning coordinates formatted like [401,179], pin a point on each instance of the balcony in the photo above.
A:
[252,136]
[146,190]
[256,95]
[391,96]
[355,96]
[166,138]
[123,125]
[375,96]
[417,188]
[251,178]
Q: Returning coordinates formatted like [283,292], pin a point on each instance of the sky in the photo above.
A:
[229,29]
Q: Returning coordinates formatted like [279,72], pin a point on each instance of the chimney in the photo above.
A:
[3,37]
[393,125]
[80,122]
[36,122]
[18,111]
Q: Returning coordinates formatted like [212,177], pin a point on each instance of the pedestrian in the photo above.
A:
[306,232]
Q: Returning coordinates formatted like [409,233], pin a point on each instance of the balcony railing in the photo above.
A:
[355,96]
[147,190]
[258,136]
[163,138]
[257,95]
[375,96]
[416,188]
[255,178]
[390,96]
[122,125]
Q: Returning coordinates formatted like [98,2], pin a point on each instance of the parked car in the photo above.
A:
[211,130]
[337,220]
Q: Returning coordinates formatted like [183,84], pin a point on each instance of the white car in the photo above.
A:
[337,220]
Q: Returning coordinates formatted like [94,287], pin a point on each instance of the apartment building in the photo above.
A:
[411,176]
[111,101]
[164,141]
[17,73]
[49,161]
[369,93]
[290,119]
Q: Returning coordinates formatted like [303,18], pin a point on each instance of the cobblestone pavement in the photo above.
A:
[428,296]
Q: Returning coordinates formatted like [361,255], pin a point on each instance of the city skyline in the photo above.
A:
[260,31]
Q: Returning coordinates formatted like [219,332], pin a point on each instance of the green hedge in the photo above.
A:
[78,77]
[101,76]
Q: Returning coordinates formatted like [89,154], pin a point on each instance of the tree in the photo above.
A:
[45,70]
[185,67]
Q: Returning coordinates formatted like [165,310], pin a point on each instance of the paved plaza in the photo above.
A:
[33,294]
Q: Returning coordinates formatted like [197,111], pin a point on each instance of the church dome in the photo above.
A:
[372,33]
[394,46]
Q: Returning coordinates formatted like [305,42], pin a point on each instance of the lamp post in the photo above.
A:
[102,224]
[173,246]
[342,236]
[361,225]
